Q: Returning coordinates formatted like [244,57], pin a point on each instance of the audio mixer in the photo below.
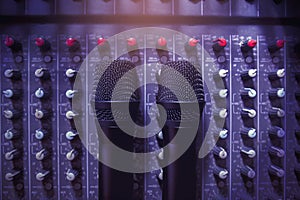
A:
[150,99]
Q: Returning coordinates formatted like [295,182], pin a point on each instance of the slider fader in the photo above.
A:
[224,73]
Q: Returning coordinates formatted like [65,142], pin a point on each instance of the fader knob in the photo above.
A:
[70,93]
[220,172]
[73,44]
[277,93]
[280,73]
[11,94]
[40,134]
[220,152]
[13,154]
[161,43]
[247,45]
[10,176]
[248,172]
[251,113]
[12,44]
[42,175]
[249,132]
[42,154]
[71,155]
[11,134]
[248,151]
[70,114]
[42,73]
[276,112]
[12,114]
[277,171]
[70,135]
[277,46]
[13,74]
[275,151]
[276,131]
[248,92]
[219,44]
[71,73]
[249,74]
[71,174]
[43,44]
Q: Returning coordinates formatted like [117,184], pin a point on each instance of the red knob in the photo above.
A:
[280,43]
[101,41]
[9,41]
[162,42]
[193,42]
[71,42]
[251,43]
[131,42]
[39,42]
[222,42]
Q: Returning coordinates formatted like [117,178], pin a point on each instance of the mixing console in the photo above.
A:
[233,68]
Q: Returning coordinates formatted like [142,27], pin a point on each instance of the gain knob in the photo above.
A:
[13,154]
[13,74]
[275,151]
[276,131]
[221,94]
[220,172]
[41,94]
[41,114]
[276,47]
[71,174]
[276,171]
[222,73]
[13,44]
[221,113]
[160,176]
[223,133]
[42,73]
[220,152]
[249,132]
[10,176]
[12,134]
[70,135]
[42,44]
[42,154]
[246,112]
[248,172]
[160,135]
[72,44]
[280,73]
[191,45]
[42,175]
[131,43]
[251,73]
[71,155]
[70,93]
[161,43]
[249,152]
[219,44]
[248,45]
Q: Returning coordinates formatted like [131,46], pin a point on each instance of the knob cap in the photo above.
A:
[249,132]
[221,113]
[42,175]
[131,42]
[71,155]
[42,73]
[160,135]
[70,135]
[43,44]
[71,114]
[249,152]
[220,172]
[222,73]
[220,152]
[276,131]
[12,93]
[73,44]
[40,93]
[40,134]
[276,112]
[191,44]
[247,45]
[246,112]
[248,172]
[248,92]
[42,114]
[276,171]
[13,44]
[42,154]
[277,93]
[11,134]
[12,114]
[71,73]
[275,151]
[70,93]
[249,74]
[10,176]
[13,154]
[13,74]
[221,93]
[71,174]
[161,175]
[219,44]
[280,73]
[223,133]
[276,46]
[161,43]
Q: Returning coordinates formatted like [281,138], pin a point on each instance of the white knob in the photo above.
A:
[39,93]
[223,73]
[71,155]
[8,93]
[70,93]
[70,135]
[252,73]
[41,176]
[223,93]
[10,176]
[70,114]
[160,135]
[70,73]
[250,112]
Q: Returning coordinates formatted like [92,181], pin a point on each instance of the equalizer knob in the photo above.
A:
[71,114]
[13,44]
[248,92]
[161,43]
[71,174]
[40,134]
[131,43]
[221,113]
[70,135]
[71,73]
[13,154]
[41,114]
[276,131]
[42,73]
[43,44]
[247,45]
[11,176]
[248,172]
[220,152]
[73,44]
[12,114]
[249,132]
[11,134]
[222,73]
[246,112]
[42,175]
[275,151]
[11,94]
[221,93]
[101,41]
[42,154]
[251,73]
[41,93]
[277,93]
[223,133]
[70,93]
[71,155]
[249,152]
[191,44]
[277,46]
[13,74]
[276,112]
[219,44]
[280,73]
[277,171]
[220,172]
